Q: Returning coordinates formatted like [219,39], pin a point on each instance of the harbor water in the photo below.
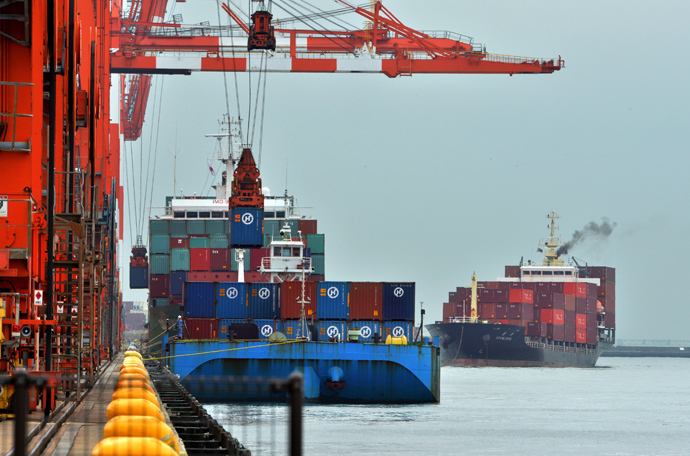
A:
[625,406]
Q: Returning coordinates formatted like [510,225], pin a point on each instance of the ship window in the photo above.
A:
[226,214]
[191,214]
[525,273]
[295,251]
[280,214]
[268,214]
[204,215]
[536,272]
[558,272]
[217,214]
[286,251]
[547,273]
[568,272]
[276,251]
[179,214]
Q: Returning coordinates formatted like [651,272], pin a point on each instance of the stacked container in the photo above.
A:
[332,300]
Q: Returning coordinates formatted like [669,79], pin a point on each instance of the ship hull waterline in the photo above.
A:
[371,373]
[499,345]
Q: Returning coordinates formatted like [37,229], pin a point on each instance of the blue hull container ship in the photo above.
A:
[249,282]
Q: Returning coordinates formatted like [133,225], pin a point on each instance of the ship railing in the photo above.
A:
[559,348]
[10,120]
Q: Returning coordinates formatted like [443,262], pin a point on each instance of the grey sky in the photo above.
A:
[429,178]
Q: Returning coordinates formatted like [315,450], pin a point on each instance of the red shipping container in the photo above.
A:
[569,319]
[550,300]
[555,332]
[536,329]
[591,305]
[581,305]
[602,272]
[591,321]
[522,311]
[607,289]
[307,226]
[609,303]
[516,322]
[212,277]
[556,287]
[365,301]
[581,336]
[501,310]
[200,259]
[463,292]
[159,285]
[200,328]
[175,301]
[592,337]
[179,243]
[255,257]
[485,295]
[569,333]
[552,316]
[569,302]
[220,260]
[521,295]
[501,296]
[581,321]
[558,317]
[578,289]
[291,295]
[541,287]
[610,320]
[591,290]
[487,311]
[453,297]
[512,271]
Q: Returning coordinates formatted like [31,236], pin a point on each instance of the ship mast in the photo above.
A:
[552,243]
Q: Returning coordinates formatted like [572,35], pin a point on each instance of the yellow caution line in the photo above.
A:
[228,350]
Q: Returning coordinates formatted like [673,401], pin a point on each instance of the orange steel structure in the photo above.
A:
[60,191]
[388,47]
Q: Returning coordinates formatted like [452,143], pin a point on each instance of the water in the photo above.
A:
[626,406]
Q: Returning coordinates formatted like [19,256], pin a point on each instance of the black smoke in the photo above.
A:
[591,231]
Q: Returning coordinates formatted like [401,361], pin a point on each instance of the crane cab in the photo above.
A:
[261,34]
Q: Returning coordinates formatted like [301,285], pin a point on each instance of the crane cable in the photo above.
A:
[225,78]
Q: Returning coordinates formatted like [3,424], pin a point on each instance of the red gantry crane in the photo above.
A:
[148,46]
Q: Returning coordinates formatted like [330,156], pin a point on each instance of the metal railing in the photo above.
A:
[23,144]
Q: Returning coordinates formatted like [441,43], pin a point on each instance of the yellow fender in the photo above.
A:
[141,426]
[132,446]
[134,370]
[132,353]
[134,383]
[133,364]
[135,393]
[129,376]
[133,407]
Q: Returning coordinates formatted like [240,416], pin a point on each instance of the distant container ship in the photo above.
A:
[555,314]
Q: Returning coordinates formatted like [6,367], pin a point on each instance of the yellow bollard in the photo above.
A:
[141,426]
[133,407]
[132,446]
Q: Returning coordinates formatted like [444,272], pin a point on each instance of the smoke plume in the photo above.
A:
[591,231]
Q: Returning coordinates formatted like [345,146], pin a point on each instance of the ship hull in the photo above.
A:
[370,373]
[498,345]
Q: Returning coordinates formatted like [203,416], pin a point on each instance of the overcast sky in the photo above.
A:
[431,177]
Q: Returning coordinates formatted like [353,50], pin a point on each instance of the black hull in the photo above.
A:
[478,344]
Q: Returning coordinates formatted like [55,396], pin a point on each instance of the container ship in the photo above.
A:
[556,314]
[250,284]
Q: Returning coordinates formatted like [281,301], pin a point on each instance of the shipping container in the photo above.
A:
[512,271]
[591,320]
[581,321]
[158,227]
[398,301]
[366,300]
[463,293]
[555,332]
[178,227]
[581,305]
[592,336]
[610,320]
[522,311]
[550,300]
[216,227]
[581,336]
[264,301]
[220,260]
[177,280]
[179,259]
[138,277]
[318,262]
[293,330]
[160,243]
[231,300]
[307,226]
[267,326]
[569,319]
[569,333]
[160,302]
[608,303]
[486,295]
[502,296]
[218,241]
[291,297]
[536,329]
[332,329]
[569,302]
[317,278]
[173,301]
[200,259]
[272,227]
[552,316]
[199,241]
[521,295]
[215,277]
[159,286]
[179,242]
[591,305]
[541,287]
[367,329]
[224,325]
[604,273]
[159,264]
[398,329]
[246,227]
[200,328]
[234,265]
[196,227]
[487,311]
[607,289]
[316,243]
[255,258]
[591,290]
[332,300]
[555,287]
[501,310]
[199,300]
[577,289]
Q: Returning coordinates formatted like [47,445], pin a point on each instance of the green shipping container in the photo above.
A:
[159,302]
[178,227]
[160,243]
[215,227]
[267,239]
[318,262]
[199,242]
[196,227]
[179,259]
[233,261]
[160,264]
[158,227]
[315,242]
[294,226]
[219,241]
[272,227]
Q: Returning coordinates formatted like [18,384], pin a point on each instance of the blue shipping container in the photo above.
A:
[199,300]
[267,327]
[177,280]
[292,330]
[333,300]
[367,329]
[231,300]
[332,329]
[138,277]
[398,301]
[224,324]
[264,300]
[246,227]
[398,329]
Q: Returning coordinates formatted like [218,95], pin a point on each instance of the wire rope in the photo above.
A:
[129,194]
[225,78]
[155,157]
[148,161]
